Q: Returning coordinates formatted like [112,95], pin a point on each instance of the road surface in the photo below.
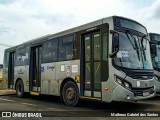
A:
[51,106]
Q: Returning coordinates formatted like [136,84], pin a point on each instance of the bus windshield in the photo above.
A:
[156,59]
[133,52]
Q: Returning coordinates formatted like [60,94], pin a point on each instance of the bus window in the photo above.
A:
[22,57]
[76,46]
[6,56]
[66,48]
[97,63]
[97,46]
[105,46]
[50,51]
[105,56]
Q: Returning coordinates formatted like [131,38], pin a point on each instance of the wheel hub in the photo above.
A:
[70,93]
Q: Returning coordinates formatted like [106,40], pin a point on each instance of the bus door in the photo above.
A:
[35,69]
[91,45]
[11,69]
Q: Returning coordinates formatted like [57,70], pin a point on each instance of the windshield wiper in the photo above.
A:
[135,46]
[114,53]
[143,47]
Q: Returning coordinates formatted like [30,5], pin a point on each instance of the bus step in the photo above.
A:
[91,98]
[34,93]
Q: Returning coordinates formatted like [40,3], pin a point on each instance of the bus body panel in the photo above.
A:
[49,84]
[22,73]
[54,73]
[107,94]
[157,83]
[68,69]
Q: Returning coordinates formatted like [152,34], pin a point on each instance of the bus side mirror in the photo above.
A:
[153,50]
[115,41]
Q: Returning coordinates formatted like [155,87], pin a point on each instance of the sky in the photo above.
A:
[23,20]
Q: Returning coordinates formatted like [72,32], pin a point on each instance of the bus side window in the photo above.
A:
[76,46]
[22,57]
[50,50]
[66,48]
[105,56]
[61,51]
[55,50]
[6,59]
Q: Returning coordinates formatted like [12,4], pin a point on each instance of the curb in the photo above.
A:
[7,92]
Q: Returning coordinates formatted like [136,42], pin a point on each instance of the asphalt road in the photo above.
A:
[51,106]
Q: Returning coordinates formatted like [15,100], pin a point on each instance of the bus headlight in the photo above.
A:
[123,83]
[119,81]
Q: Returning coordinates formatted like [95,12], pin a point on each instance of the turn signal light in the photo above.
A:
[106,89]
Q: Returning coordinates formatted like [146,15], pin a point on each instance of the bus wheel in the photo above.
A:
[20,89]
[70,94]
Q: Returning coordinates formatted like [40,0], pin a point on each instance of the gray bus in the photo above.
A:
[105,60]
[155,41]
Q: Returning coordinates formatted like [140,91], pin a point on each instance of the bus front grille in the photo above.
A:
[142,77]
[141,91]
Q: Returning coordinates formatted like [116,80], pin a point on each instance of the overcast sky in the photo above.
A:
[22,20]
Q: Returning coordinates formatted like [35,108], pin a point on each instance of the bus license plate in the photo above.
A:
[145,93]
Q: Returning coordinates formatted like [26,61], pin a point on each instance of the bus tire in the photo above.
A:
[20,89]
[70,94]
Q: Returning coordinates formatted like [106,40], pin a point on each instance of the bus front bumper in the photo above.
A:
[122,94]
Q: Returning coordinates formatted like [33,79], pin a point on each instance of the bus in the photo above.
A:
[105,60]
[1,77]
[155,43]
